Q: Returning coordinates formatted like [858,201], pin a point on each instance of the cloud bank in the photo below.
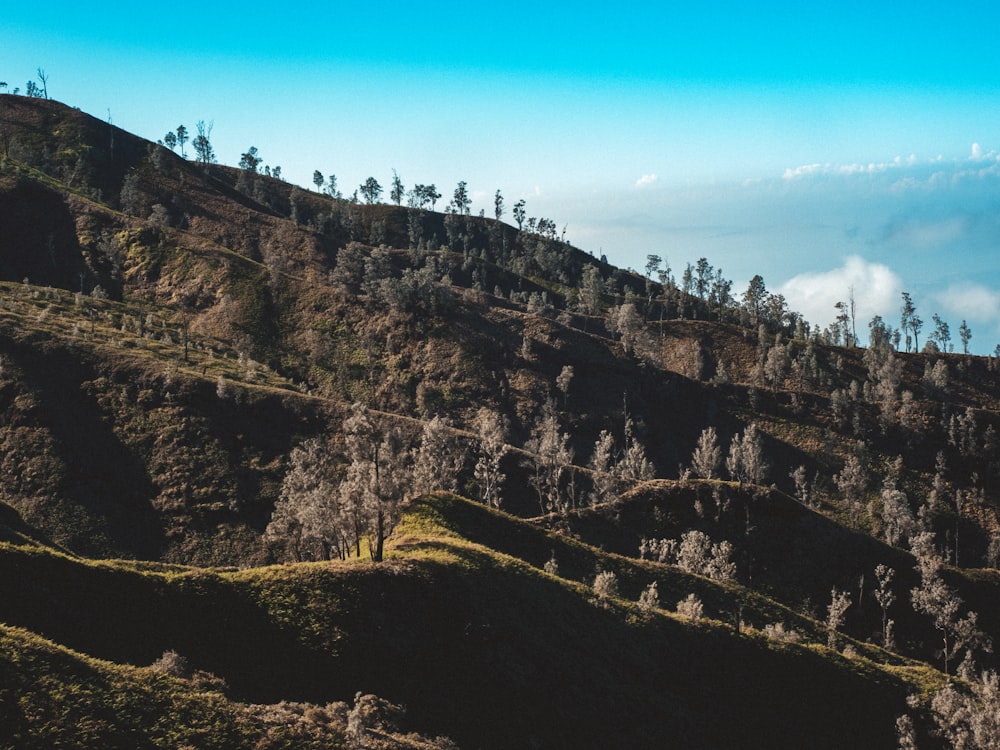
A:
[929,226]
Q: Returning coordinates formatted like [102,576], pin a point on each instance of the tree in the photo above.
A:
[897,519]
[606,584]
[461,200]
[170,140]
[627,323]
[307,523]
[839,603]
[519,214]
[852,482]
[432,195]
[563,379]
[650,598]
[182,138]
[398,191]
[591,286]
[602,464]
[885,598]
[377,477]
[498,205]
[745,462]
[707,457]
[202,143]
[754,298]
[318,180]
[371,191]
[969,718]
[439,459]
[941,334]
[910,321]
[634,465]
[44,78]
[548,456]
[690,608]
[491,441]
[331,188]
[965,334]
[936,599]
[250,160]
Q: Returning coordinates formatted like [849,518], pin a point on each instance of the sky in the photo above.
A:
[825,148]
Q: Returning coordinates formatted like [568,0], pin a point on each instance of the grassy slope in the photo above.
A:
[480,645]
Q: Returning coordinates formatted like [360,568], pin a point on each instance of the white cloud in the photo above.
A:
[876,287]
[977,152]
[805,170]
[646,180]
[971,301]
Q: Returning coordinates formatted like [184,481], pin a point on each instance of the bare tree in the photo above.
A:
[634,465]
[934,598]
[306,522]
[602,464]
[745,462]
[707,458]
[549,455]
[438,460]
[691,608]
[562,382]
[885,598]
[491,430]
[650,598]
[852,482]
[839,603]
[377,474]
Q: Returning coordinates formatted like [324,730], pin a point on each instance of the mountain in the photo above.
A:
[198,363]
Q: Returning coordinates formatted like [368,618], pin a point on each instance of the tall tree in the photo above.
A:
[519,214]
[438,460]
[754,298]
[397,191]
[318,179]
[498,205]
[461,200]
[182,138]
[307,523]
[910,322]
[548,456]
[745,462]
[491,441]
[371,191]
[250,160]
[202,143]
[965,333]
[377,474]
[707,457]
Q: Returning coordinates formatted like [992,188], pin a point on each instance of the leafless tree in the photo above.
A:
[934,598]
[548,456]
[707,457]
[840,601]
[885,598]
[492,446]
[438,460]
[745,462]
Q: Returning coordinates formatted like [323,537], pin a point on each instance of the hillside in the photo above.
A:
[188,350]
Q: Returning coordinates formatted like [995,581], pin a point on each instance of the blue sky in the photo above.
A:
[823,147]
